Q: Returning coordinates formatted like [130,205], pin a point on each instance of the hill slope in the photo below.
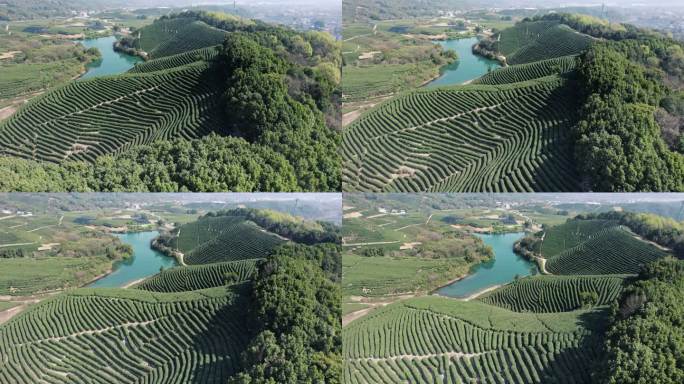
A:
[543,294]
[194,277]
[223,238]
[434,339]
[126,336]
[530,71]
[87,119]
[177,35]
[612,250]
[532,41]
[503,138]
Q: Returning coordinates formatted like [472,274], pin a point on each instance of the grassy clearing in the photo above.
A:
[27,276]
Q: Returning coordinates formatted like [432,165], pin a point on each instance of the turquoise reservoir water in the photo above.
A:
[468,66]
[145,262]
[503,269]
[112,62]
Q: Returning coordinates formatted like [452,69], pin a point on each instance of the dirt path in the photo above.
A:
[92,332]
[541,262]
[15,103]
[458,355]
[347,118]
[361,107]
[348,318]
[5,316]
[134,282]
[653,243]
[482,292]
[14,245]
[407,226]
[373,243]
[23,303]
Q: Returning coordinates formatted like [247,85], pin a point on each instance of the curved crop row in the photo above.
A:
[177,35]
[514,38]
[570,234]
[475,138]
[527,42]
[224,238]
[554,293]
[125,336]
[613,251]
[194,36]
[87,119]
[530,71]
[402,344]
[194,277]
[178,60]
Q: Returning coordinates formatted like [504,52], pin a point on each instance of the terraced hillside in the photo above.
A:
[195,277]
[177,60]
[614,250]
[570,234]
[527,42]
[530,71]
[439,340]
[86,119]
[503,138]
[177,35]
[223,238]
[543,294]
[126,336]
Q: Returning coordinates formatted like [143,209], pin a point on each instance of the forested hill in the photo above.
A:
[581,104]
[224,104]
[629,134]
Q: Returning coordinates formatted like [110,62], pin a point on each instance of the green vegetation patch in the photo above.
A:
[572,233]
[531,41]
[179,336]
[432,339]
[196,277]
[545,294]
[529,71]
[613,250]
[504,138]
[111,114]
[381,276]
[224,238]
[26,276]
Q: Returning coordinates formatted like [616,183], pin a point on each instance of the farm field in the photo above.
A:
[190,323]
[550,327]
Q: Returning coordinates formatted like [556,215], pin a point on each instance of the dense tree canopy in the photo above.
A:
[212,163]
[298,317]
[619,144]
[645,343]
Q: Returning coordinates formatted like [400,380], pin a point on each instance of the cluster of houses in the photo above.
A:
[17,213]
[392,211]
